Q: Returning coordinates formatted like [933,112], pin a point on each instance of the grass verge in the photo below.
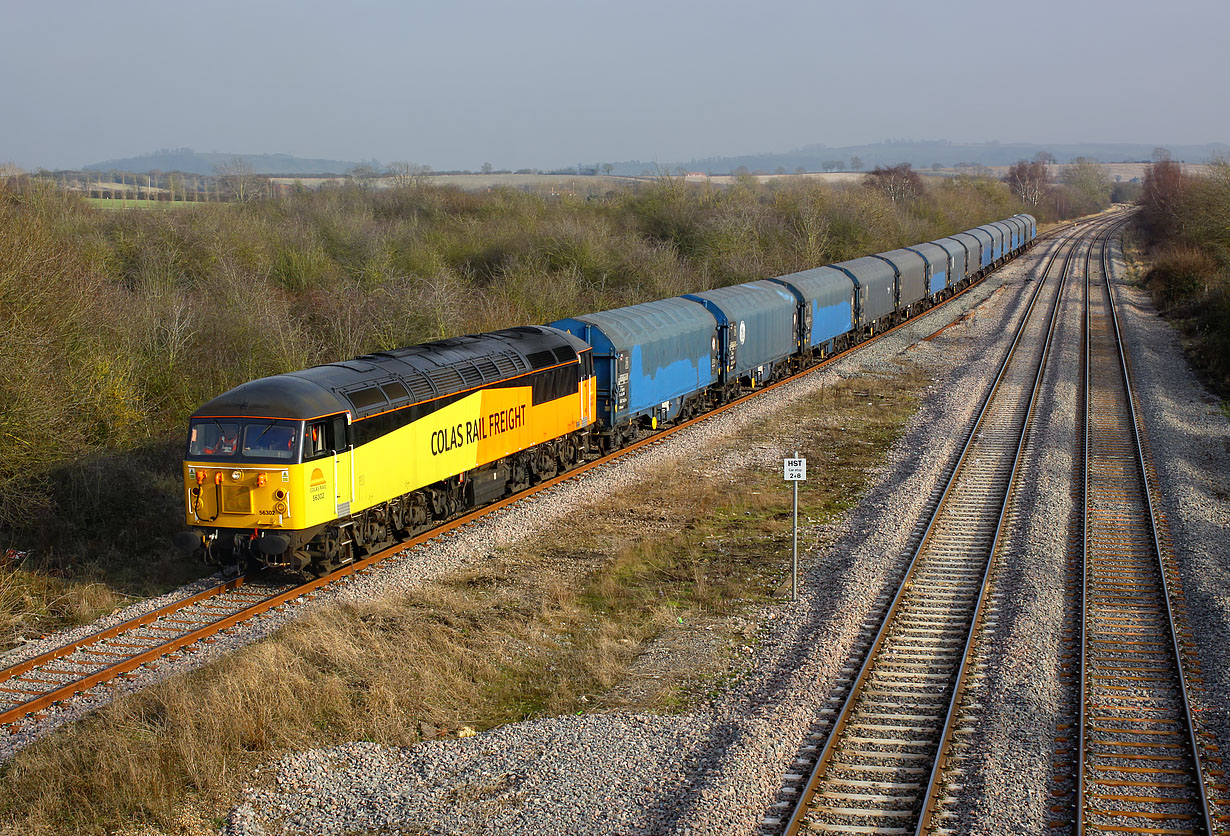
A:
[556,624]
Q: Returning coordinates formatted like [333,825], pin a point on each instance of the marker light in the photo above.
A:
[260,480]
[200,477]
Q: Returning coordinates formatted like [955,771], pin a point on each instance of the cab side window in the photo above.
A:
[324,437]
[315,443]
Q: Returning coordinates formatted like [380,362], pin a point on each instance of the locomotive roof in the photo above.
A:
[373,383]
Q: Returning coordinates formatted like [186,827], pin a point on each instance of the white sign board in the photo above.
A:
[795,470]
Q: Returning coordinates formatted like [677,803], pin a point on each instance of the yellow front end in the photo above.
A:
[247,497]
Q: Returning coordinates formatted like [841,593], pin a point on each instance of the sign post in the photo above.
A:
[795,470]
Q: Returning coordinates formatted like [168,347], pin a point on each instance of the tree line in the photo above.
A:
[1185,229]
[114,326]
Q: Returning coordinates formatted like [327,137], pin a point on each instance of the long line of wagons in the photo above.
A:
[310,470]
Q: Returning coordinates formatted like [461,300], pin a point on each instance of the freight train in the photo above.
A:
[311,470]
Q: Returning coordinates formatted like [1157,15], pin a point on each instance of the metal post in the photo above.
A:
[794,576]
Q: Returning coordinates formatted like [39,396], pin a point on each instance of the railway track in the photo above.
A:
[29,688]
[873,765]
[1138,765]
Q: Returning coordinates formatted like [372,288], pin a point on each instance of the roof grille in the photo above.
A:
[446,379]
[419,386]
[508,364]
[488,369]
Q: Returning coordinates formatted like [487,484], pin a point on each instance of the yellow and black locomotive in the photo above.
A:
[309,470]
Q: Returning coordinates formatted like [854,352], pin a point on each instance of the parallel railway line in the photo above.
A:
[1138,765]
[874,765]
[32,686]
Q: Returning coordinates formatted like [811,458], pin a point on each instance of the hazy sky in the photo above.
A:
[544,83]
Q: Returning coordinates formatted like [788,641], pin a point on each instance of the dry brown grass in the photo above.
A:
[33,602]
[547,627]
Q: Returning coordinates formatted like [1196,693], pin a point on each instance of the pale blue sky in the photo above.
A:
[541,83]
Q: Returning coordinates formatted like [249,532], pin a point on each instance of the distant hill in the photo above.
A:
[923,154]
[196,162]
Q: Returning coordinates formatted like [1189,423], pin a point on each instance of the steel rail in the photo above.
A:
[111,632]
[924,822]
[846,711]
[71,688]
[1155,542]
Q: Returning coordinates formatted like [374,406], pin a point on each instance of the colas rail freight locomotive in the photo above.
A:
[311,470]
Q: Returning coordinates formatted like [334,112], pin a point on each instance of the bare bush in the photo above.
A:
[899,182]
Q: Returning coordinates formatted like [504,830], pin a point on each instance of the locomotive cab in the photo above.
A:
[248,483]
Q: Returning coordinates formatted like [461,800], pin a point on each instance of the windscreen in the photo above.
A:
[248,440]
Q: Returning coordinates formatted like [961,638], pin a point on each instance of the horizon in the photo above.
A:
[548,83]
[1215,150]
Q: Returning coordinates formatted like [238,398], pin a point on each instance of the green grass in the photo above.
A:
[132,203]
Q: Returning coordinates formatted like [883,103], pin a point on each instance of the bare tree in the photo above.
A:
[856,163]
[408,174]
[1161,155]
[1162,195]
[899,182]
[363,175]
[1029,181]
[1044,157]
[607,168]
[488,168]
[239,179]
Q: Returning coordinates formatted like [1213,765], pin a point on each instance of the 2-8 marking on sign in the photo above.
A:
[795,470]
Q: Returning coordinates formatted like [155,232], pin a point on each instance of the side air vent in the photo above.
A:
[364,399]
[541,359]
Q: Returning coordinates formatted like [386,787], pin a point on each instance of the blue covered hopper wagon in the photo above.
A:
[939,266]
[653,362]
[827,303]
[758,326]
